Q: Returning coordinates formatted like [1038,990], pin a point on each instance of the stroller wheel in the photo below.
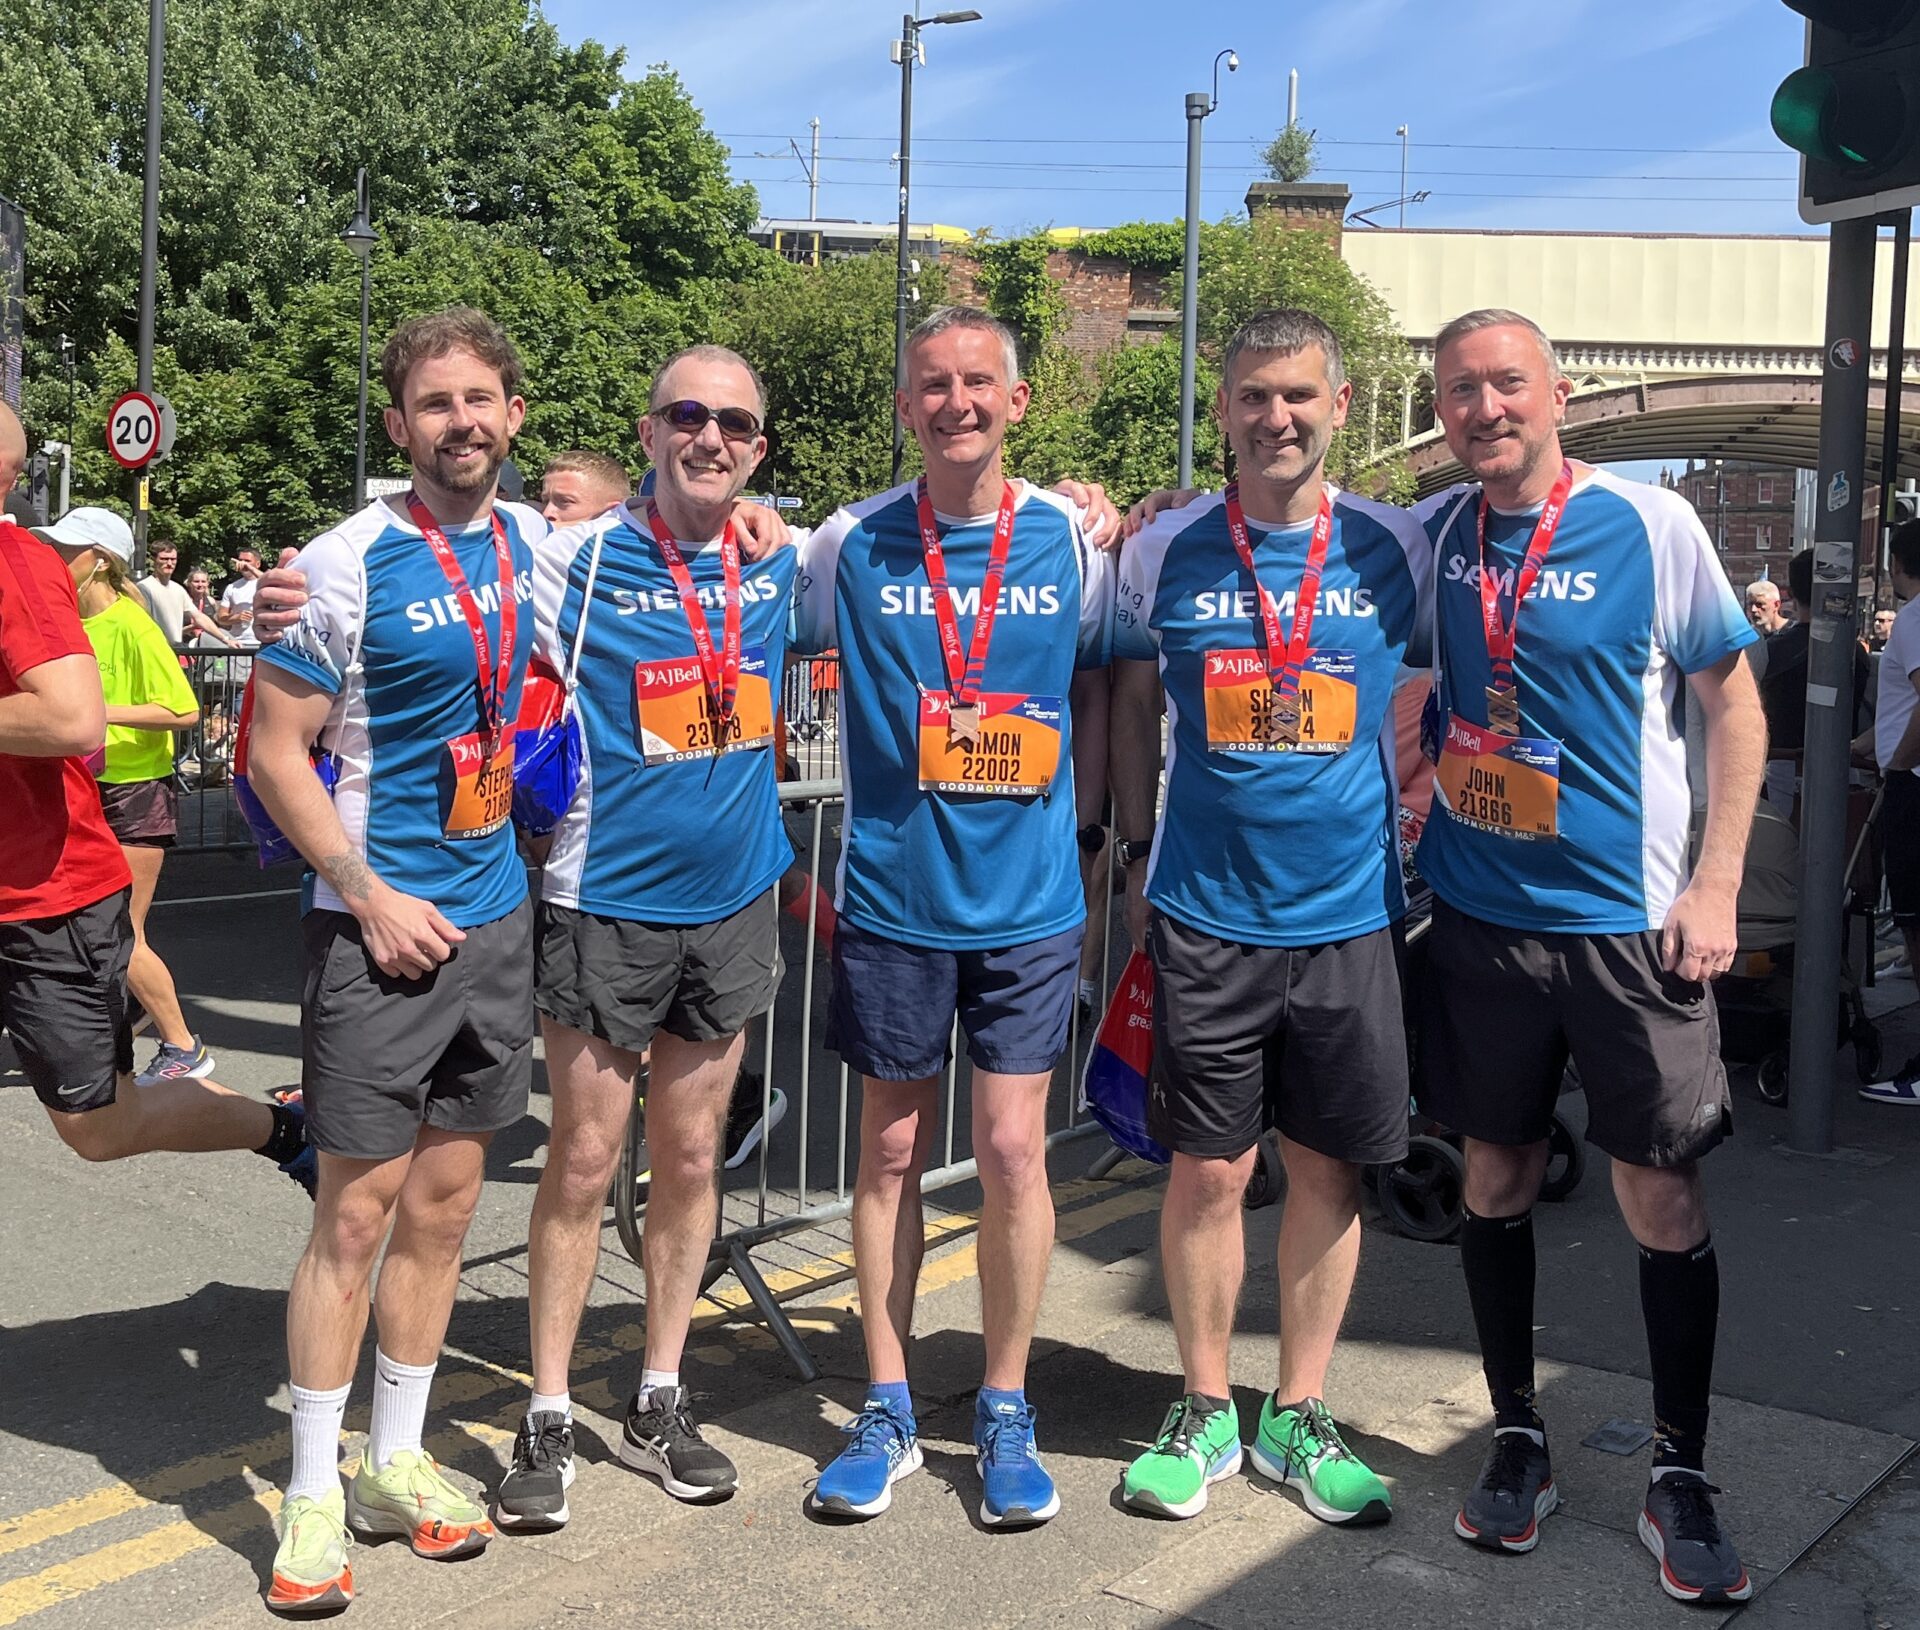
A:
[1566,1162]
[1425,1194]
[1867,1058]
[1771,1078]
[1268,1184]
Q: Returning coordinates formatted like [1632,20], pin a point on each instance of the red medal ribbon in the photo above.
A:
[722,668]
[966,665]
[1284,662]
[496,677]
[1501,633]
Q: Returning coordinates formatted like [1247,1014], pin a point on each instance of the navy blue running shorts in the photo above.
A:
[893,1005]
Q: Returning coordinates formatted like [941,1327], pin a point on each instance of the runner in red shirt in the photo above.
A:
[65,934]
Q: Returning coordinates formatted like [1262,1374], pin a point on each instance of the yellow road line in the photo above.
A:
[109,1564]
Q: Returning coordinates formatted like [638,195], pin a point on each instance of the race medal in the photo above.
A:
[1503,710]
[675,709]
[1013,751]
[1506,785]
[1277,716]
[1245,714]
[719,669]
[482,800]
[963,724]
[966,664]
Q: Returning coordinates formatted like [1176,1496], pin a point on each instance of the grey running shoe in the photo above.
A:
[171,1063]
[1503,1510]
[1697,1560]
[533,1494]
[662,1441]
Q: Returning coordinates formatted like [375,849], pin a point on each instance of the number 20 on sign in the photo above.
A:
[133,430]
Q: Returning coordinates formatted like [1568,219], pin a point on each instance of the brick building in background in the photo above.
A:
[1756,514]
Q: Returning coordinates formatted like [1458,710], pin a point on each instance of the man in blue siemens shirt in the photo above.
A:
[658,926]
[1570,609]
[1276,618]
[961,606]
[417,1017]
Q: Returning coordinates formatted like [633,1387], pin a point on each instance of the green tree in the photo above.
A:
[1134,421]
[1020,289]
[1290,155]
[822,339]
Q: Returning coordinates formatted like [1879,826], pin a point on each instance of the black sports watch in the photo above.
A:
[1131,849]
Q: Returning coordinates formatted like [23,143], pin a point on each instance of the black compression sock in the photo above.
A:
[1496,1255]
[1208,1404]
[1680,1300]
[289,1136]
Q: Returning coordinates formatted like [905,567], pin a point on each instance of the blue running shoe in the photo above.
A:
[1017,1491]
[303,1168]
[885,1447]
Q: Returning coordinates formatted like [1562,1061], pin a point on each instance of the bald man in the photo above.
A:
[65,934]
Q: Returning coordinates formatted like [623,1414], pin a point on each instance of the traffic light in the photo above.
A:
[1852,111]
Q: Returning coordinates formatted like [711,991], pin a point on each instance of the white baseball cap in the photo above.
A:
[90,528]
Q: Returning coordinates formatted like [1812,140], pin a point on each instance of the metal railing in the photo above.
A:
[203,756]
[801,1177]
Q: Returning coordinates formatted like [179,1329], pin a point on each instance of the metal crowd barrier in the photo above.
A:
[203,757]
[801,1176]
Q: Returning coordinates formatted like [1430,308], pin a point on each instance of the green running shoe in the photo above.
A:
[1303,1446]
[1194,1449]
[412,1497]
[310,1571]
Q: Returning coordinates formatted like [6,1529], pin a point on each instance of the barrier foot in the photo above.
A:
[1105,1162]
[776,1316]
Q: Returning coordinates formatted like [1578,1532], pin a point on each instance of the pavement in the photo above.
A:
[143,1411]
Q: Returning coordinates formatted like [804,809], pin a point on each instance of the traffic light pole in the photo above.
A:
[1890,411]
[1836,576]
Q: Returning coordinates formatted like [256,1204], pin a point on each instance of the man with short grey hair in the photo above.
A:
[1763,606]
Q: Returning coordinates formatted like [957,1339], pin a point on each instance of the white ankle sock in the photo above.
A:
[399,1408]
[649,1379]
[551,1403]
[317,1417]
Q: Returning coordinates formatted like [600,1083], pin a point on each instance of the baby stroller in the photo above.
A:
[1755,997]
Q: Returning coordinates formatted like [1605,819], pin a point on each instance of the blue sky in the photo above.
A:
[1621,115]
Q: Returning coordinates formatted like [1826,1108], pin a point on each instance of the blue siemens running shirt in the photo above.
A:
[661,829]
[1631,599]
[1259,847]
[927,866]
[383,635]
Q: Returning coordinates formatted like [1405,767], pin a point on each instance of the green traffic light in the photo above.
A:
[1858,121]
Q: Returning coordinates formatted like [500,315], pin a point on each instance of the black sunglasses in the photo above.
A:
[736,423]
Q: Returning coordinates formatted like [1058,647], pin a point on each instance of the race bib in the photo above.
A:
[1507,785]
[482,799]
[1241,704]
[676,711]
[1017,750]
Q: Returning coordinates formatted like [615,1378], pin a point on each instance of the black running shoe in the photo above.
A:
[1503,1510]
[746,1124]
[662,1441]
[533,1494]
[1697,1560]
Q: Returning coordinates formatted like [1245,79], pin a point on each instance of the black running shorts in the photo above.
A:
[1310,1040]
[622,980]
[384,1056]
[1502,1011]
[1900,823]
[63,999]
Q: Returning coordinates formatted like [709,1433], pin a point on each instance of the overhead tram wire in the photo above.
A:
[1323,141]
[1217,168]
[1438,192]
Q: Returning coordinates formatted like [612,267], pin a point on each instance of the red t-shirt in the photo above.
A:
[58,854]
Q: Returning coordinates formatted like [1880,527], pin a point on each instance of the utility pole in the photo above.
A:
[1402,134]
[1890,412]
[149,247]
[813,175]
[1199,105]
[1836,572]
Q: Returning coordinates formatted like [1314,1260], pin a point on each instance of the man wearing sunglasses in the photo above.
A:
[658,925]
[962,606]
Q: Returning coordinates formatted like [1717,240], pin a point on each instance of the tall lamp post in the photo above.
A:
[359,237]
[907,50]
[1199,105]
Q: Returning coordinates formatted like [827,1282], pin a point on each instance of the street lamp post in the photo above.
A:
[1404,200]
[360,238]
[1199,105]
[906,51]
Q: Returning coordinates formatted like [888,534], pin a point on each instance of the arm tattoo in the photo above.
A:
[349,875]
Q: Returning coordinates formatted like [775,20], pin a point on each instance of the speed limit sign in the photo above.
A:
[133,430]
